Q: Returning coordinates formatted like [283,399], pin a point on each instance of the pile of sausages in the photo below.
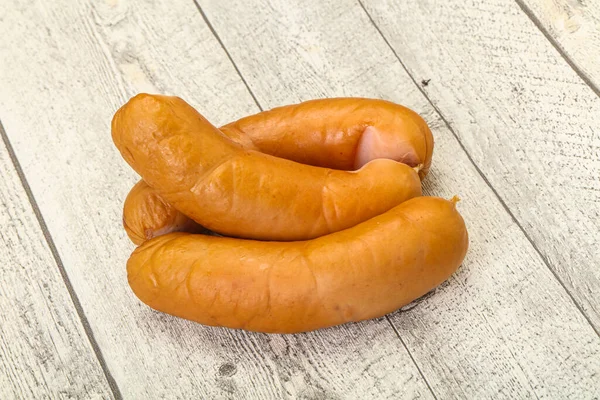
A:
[317,209]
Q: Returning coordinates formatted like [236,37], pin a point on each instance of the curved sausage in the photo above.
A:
[245,193]
[360,273]
[147,215]
[338,133]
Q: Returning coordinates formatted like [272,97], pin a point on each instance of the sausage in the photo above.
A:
[339,133]
[359,273]
[244,193]
[147,215]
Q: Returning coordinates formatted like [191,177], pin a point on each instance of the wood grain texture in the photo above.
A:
[44,351]
[574,26]
[528,121]
[67,67]
[503,327]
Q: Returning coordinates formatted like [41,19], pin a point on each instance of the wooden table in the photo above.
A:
[511,92]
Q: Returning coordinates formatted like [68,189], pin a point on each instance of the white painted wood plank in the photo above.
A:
[44,350]
[84,60]
[574,25]
[503,327]
[529,122]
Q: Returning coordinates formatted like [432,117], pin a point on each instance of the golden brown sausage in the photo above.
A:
[244,193]
[338,133]
[360,273]
[147,215]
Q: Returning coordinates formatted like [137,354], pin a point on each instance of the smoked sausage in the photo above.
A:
[240,192]
[338,133]
[359,273]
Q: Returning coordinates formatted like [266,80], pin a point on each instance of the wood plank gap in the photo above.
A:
[411,356]
[504,205]
[558,47]
[216,35]
[50,241]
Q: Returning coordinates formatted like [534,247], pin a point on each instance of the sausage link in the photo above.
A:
[359,273]
[338,133]
[244,193]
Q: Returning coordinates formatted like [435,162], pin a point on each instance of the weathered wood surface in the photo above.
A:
[493,330]
[574,27]
[44,350]
[529,123]
[502,327]
[91,57]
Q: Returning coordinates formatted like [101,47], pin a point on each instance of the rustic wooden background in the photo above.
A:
[511,91]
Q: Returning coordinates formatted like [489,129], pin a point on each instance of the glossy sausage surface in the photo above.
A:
[147,215]
[338,133]
[359,273]
[244,193]
[334,133]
